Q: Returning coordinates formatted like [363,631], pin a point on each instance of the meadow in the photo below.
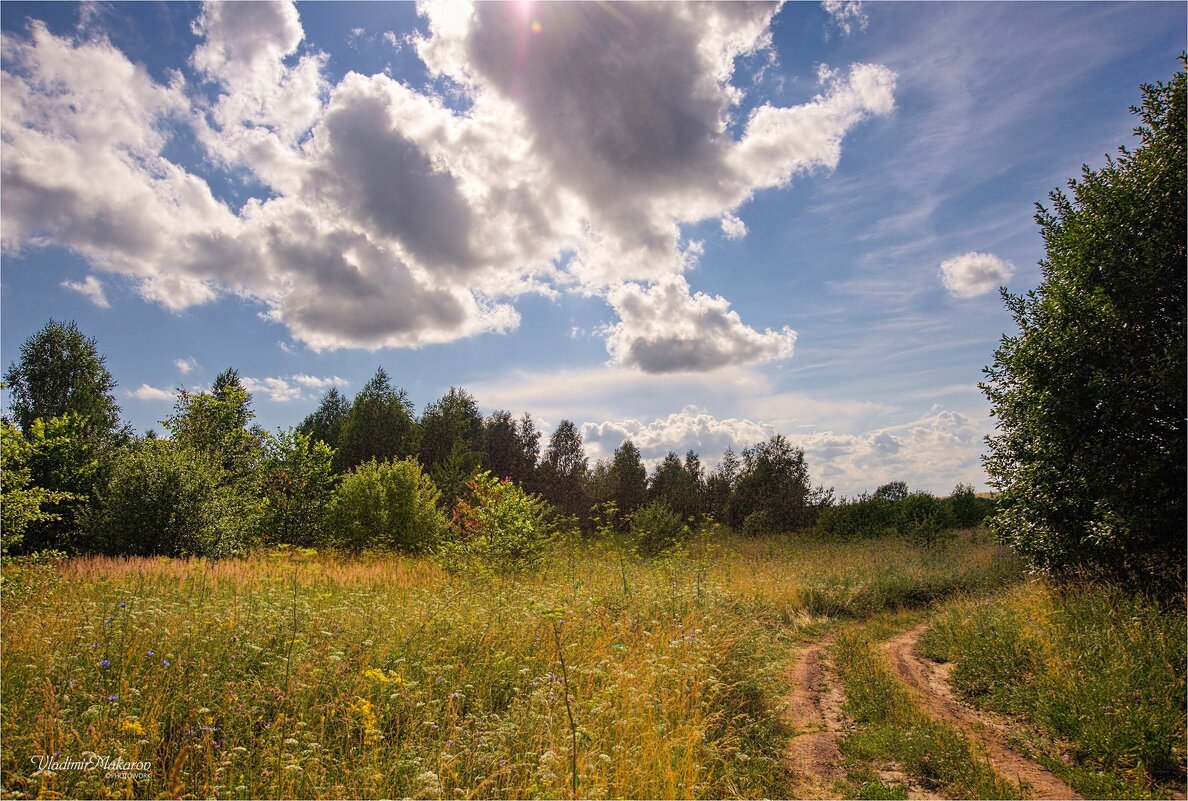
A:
[296,674]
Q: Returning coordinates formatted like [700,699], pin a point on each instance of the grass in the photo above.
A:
[891,728]
[290,674]
[1098,669]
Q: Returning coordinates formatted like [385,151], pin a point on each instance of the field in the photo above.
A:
[292,674]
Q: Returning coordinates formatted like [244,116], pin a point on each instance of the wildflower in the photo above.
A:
[132,727]
[149,653]
[165,662]
[106,663]
[377,676]
[108,621]
[122,604]
[113,698]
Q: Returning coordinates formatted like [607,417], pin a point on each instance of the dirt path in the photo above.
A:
[930,681]
[814,710]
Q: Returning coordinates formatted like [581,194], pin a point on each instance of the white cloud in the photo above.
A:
[932,453]
[666,329]
[847,15]
[973,274]
[390,219]
[733,227]
[689,429]
[187,365]
[278,390]
[146,392]
[92,289]
[314,382]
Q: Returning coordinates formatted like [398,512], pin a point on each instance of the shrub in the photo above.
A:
[498,525]
[386,504]
[656,528]
[757,524]
[23,504]
[166,499]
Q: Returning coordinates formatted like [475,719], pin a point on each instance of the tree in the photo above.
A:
[774,481]
[60,371]
[676,487]
[892,491]
[326,422]
[719,488]
[64,458]
[22,503]
[215,423]
[297,480]
[564,470]
[627,478]
[1089,449]
[164,498]
[452,423]
[380,425]
[511,449]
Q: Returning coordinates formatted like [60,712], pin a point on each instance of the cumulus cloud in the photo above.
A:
[689,429]
[147,392]
[588,135]
[187,365]
[973,274]
[846,15]
[666,329]
[90,288]
[940,443]
[284,389]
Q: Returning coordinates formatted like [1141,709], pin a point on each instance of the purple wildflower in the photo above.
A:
[106,663]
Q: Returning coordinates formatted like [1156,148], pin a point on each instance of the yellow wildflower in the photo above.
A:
[132,727]
[376,675]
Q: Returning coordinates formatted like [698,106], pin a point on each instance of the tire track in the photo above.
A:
[930,683]
[814,712]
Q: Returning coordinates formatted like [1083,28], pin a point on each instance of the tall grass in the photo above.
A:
[302,675]
[1092,665]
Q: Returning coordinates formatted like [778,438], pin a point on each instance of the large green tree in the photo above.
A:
[564,470]
[380,425]
[1089,395]
[61,371]
[218,424]
[326,422]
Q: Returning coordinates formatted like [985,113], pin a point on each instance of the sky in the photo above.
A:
[692,225]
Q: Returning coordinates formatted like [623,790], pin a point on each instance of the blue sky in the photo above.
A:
[692,225]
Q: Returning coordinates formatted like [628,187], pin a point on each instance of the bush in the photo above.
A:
[23,503]
[756,524]
[386,504]
[656,528]
[498,525]
[165,499]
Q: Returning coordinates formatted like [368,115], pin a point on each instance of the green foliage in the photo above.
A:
[65,456]
[380,425]
[22,503]
[719,487]
[511,449]
[655,528]
[774,479]
[452,474]
[497,526]
[1093,665]
[1089,395]
[386,505]
[966,509]
[564,471]
[297,480]
[215,423]
[60,371]
[165,498]
[676,486]
[627,478]
[756,524]
[326,422]
[892,491]
[452,427]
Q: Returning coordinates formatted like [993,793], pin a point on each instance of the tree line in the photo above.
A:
[353,469]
